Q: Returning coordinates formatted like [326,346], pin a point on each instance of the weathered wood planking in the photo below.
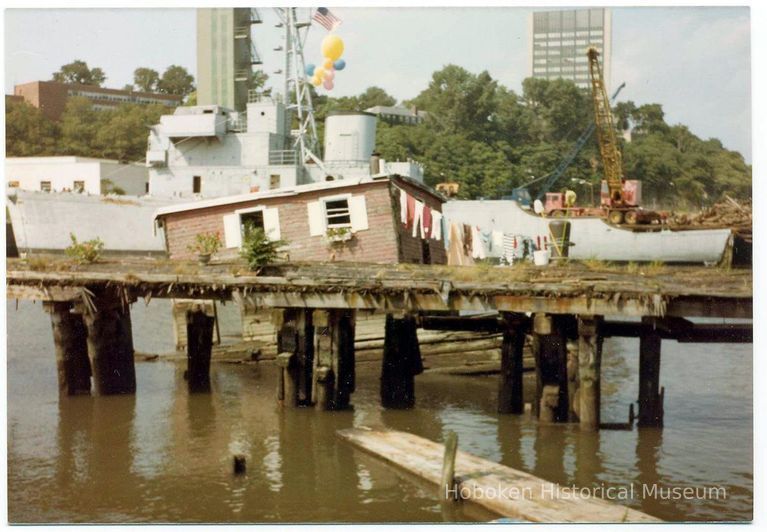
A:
[478,476]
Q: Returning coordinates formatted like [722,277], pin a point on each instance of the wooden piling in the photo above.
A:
[334,372]
[550,351]
[510,391]
[110,345]
[70,339]
[650,401]
[199,335]
[589,371]
[449,487]
[288,381]
[401,362]
[295,335]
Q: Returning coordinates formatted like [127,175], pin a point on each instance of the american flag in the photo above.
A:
[328,20]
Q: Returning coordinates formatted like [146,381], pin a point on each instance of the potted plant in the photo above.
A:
[338,234]
[205,244]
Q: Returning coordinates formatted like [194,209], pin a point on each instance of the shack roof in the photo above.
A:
[294,191]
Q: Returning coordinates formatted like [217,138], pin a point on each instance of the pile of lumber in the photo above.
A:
[727,213]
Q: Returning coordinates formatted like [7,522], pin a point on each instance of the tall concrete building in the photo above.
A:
[559,40]
[226,55]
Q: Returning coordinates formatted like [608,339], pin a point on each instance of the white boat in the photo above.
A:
[592,238]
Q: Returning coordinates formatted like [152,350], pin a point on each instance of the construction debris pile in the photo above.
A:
[727,213]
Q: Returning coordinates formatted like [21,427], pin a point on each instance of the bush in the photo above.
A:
[206,243]
[85,252]
[258,250]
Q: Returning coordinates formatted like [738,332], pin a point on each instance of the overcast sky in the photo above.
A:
[694,61]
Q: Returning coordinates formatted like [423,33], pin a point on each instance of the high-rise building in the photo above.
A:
[226,55]
[559,41]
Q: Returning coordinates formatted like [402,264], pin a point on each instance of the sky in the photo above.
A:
[694,61]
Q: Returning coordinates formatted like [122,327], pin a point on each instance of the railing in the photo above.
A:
[282,157]
[239,124]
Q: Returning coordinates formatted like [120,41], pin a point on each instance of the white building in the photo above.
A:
[75,174]
[559,40]
[211,151]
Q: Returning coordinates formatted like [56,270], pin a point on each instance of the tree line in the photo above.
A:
[489,139]
[476,132]
[174,80]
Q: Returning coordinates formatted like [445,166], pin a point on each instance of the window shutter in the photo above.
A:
[232,231]
[358,212]
[316,218]
[272,223]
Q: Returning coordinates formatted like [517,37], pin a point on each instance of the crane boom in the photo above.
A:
[603,120]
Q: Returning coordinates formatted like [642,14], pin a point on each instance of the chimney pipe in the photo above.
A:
[375,163]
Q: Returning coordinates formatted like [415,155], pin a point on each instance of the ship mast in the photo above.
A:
[298,97]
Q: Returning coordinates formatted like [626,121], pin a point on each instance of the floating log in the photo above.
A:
[525,496]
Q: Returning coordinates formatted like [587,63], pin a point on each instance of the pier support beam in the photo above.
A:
[550,349]
[510,392]
[110,346]
[334,373]
[71,344]
[295,347]
[199,336]
[401,362]
[650,394]
[589,371]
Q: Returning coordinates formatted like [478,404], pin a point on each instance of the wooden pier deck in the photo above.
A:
[314,309]
[567,289]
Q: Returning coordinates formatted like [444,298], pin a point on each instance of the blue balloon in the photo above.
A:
[310,69]
[339,64]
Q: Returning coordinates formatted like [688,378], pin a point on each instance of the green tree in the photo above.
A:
[146,79]
[80,124]
[79,72]
[28,132]
[123,133]
[176,80]
[374,96]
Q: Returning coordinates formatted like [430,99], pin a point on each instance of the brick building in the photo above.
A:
[51,96]
[309,216]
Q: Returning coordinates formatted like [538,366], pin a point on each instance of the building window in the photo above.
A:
[45,186]
[196,184]
[337,213]
[251,220]
[13,184]
[274,181]
[79,186]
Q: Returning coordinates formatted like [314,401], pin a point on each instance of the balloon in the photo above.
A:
[310,69]
[328,64]
[328,84]
[319,72]
[330,74]
[332,47]
[339,65]
[316,81]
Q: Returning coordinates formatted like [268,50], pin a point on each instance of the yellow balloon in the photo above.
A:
[328,64]
[316,81]
[319,73]
[332,47]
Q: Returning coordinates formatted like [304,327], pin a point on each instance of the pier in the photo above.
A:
[314,308]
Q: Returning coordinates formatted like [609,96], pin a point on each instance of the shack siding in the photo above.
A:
[410,247]
[376,244]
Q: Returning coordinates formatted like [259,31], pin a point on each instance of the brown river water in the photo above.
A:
[164,455]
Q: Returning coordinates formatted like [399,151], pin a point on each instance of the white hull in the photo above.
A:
[593,238]
[42,221]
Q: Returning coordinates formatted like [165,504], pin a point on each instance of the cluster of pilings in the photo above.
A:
[317,361]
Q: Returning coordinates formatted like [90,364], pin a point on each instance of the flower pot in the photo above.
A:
[541,257]
[203,259]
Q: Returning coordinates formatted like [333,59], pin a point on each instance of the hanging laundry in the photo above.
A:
[496,240]
[457,255]
[418,218]
[426,222]
[467,244]
[436,225]
[410,211]
[403,206]
[477,250]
